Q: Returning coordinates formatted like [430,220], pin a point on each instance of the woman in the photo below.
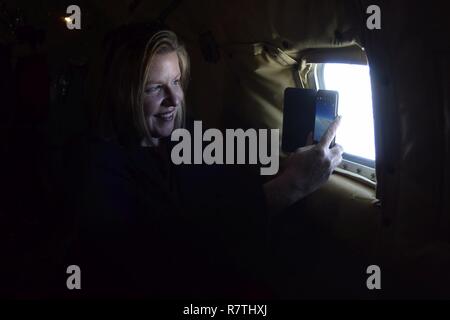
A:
[147,227]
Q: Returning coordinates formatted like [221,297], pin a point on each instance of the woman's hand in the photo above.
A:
[306,170]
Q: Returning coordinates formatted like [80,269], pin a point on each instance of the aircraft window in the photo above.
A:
[356,133]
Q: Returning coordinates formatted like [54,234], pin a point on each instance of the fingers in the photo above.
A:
[336,155]
[330,133]
[336,162]
[337,150]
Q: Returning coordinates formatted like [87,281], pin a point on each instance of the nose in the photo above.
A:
[172,98]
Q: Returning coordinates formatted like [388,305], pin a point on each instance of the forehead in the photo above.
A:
[163,67]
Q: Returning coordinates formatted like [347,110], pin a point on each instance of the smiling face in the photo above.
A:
[163,94]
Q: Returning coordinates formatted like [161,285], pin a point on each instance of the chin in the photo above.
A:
[163,131]
[166,133]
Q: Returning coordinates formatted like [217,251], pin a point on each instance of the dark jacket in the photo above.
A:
[144,229]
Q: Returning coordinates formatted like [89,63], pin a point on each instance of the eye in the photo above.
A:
[177,82]
[153,89]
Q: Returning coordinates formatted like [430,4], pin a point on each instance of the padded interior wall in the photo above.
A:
[409,59]
[261,44]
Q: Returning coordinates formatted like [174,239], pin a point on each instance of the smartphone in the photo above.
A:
[298,117]
[326,106]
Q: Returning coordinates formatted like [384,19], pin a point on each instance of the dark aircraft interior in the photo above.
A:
[383,214]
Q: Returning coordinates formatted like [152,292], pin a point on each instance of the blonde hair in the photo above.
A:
[120,100]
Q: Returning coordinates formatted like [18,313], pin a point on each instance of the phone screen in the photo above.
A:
[326,112]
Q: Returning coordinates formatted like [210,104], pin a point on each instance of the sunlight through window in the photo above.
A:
[356,133]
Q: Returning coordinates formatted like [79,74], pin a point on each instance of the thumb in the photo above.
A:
[305,148]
